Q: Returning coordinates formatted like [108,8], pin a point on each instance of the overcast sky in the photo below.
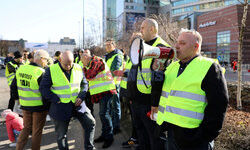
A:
[44,20]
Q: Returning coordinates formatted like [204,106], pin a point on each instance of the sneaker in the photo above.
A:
[48,118]
[130,142]
[107,143]
[99,139]
[12,145]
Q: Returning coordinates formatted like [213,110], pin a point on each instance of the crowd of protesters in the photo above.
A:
[174,105]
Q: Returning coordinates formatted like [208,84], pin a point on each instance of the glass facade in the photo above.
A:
[223,46]
[203,6]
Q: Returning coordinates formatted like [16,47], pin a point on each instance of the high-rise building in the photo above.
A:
[187,7]
[129,11]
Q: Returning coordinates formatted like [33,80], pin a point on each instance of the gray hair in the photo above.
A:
[41,54]
[196,34]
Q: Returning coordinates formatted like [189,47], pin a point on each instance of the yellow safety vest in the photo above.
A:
[182,101]
[65,90]
[10,76]
[102,82]
[124,79]
[26,62]
[146,70]
[28,88]
[76,60]
[109,63]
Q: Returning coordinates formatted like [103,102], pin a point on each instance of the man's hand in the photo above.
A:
[154,110]
[78,102]
[158,65]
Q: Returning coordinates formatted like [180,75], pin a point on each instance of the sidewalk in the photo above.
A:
[75,136]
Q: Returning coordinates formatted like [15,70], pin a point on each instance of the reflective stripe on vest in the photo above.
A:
[109,62]
[125,79]
[146,71]
[66,90]
[27,85]
[183,102]
[10,76]
[102,82]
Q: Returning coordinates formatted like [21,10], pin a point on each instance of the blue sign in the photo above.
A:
[219,58]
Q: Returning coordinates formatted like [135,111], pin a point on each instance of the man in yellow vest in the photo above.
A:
[65,86]
[142,82]
[114,60]
[194,97]
[10,72]
[25,87]
[25,57]
[102,89]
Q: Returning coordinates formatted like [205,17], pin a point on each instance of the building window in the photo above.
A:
[223,46]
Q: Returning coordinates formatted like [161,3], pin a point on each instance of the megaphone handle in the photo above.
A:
[166,62]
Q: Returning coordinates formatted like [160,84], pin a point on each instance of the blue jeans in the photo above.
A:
[145,128]
[88,124]
[104,113]
[16,134]
[116,109]
[172,145]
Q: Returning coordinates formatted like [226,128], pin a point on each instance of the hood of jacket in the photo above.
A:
[11,116]
[109,55]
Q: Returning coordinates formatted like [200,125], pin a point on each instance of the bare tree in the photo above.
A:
[243,25]
[89,42]
[167,30]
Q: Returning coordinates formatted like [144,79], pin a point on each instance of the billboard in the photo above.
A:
[131,19]
[32,46]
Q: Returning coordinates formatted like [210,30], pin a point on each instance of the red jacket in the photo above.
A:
[13,121]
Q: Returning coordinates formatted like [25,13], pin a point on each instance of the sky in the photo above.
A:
[48,20]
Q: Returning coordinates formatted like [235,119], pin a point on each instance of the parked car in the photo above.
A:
[2,66]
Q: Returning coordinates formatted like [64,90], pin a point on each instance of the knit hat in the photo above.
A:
[5,113]
[17,55]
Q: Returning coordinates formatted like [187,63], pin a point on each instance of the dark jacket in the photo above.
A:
[60,111]
[117,63]
[215,87]
[11,68]
[8,59]
[14,94]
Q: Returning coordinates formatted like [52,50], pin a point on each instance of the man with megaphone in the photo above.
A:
[194,97]
[142,81]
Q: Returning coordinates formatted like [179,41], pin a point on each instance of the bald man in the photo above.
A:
[65,86]
[144,86]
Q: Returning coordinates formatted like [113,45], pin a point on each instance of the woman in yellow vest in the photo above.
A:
[194,97]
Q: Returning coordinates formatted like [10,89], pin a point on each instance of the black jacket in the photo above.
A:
[215,87]
[157,80]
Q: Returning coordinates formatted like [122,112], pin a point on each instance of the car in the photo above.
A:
[2,66]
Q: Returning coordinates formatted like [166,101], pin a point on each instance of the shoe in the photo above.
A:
[99,139]
[12,145]
[48,118]
[107,143]
[117,130]
[130,142]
